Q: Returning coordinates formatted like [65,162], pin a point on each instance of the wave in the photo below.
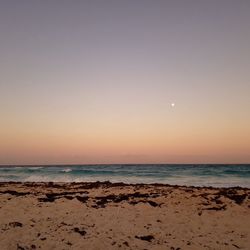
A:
[216,175]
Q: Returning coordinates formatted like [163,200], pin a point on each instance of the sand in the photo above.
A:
[118,216]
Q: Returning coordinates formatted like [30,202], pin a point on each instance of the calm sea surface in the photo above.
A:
[182,174]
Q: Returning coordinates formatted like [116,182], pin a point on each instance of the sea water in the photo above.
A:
[181,174]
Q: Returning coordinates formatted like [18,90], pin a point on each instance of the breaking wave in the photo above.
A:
[190,175]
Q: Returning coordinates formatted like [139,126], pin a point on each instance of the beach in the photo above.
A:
[105,215]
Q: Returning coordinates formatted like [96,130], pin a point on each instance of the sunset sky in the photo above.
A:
[93,81]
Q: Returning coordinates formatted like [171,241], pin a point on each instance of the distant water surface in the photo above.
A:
[182,174]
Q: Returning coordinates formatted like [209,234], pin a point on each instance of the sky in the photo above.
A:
[94,81]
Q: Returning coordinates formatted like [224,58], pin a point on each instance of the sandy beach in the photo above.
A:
[103,215]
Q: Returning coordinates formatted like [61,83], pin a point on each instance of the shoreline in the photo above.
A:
[97,215]
[117,184]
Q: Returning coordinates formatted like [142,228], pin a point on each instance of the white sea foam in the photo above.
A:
[35,168]
[67,170]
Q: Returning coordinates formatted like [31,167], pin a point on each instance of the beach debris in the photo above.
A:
[19,247]
[15,193]
[80,231]
[68,197]
[82,199]
[51,197]
[236,246]
[15,224]
[146,238]
[151,203]
[216,208]
[103,200]
[233,195]
[126,243]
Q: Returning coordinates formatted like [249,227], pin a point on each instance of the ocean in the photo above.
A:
[182,174]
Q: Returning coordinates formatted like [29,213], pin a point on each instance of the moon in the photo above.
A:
[172,104]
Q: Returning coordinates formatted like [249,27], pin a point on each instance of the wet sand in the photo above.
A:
[103,215]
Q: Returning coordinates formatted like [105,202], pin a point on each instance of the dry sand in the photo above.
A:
[118,216]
